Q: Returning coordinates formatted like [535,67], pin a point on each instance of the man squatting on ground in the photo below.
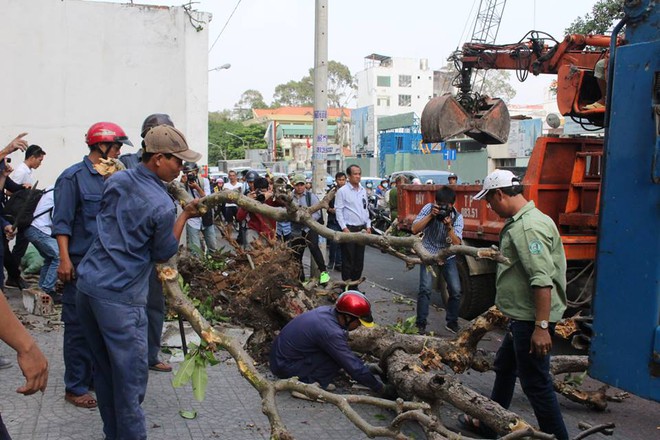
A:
[531,292]
[314,346]
[442,226]
[137,228]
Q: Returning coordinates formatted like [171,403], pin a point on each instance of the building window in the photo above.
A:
[383,81]
[399,143]
[383,101]
[405,81]
[405,100]
[504,163]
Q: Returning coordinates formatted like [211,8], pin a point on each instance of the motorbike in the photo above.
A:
[379,215]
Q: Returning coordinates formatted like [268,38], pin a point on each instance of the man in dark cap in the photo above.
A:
[137,226]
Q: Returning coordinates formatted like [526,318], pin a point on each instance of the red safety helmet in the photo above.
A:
[106,132]
[355,304]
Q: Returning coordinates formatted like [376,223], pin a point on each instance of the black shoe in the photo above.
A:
[421,329]
[338,268]
[452,327]
[56,297]
[17,282]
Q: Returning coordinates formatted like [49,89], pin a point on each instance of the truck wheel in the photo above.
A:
[477,291]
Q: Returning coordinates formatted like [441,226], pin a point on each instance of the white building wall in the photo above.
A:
[420,89]
[69,64]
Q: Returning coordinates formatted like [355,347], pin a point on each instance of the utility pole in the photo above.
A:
[320,97]
[320,145]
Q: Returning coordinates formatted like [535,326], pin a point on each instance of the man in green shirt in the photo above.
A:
[531,292]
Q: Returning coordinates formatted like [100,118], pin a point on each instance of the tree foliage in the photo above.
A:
[341,87]
[498,85]
[603,15]
[225,146]
[250,99]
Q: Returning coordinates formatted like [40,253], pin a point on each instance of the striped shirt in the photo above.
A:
[351,206]
[435,233]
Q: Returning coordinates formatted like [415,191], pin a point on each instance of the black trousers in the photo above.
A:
[309,239]
[353,257]
[13,267]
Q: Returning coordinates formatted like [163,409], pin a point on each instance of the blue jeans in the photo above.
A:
[512,361]
[117,334]
[194,242]
[48,249]
[450,274]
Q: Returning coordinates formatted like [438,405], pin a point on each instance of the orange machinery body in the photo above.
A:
[572,60]
[563,180]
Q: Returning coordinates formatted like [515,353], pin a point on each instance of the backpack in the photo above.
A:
[19,208]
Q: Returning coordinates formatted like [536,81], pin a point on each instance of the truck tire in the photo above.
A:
[477,291]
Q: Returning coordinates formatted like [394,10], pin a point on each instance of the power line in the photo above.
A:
[225,26]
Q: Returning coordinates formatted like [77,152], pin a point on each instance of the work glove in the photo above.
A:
[389,392]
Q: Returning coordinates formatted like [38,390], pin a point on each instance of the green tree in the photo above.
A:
[341,88]
[250,99]
[498,85]
[225,146]
[603,15]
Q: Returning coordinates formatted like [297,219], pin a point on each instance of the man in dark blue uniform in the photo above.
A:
[155,300]
[77,201]
[314,345]
[137,227]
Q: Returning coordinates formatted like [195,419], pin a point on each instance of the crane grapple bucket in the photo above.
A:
[444,117]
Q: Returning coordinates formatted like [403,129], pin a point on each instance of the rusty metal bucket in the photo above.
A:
[444,117]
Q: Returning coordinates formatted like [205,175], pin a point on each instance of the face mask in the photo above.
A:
[385,185]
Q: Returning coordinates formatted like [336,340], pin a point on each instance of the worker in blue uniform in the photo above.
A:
[78,193]
[137,227]
[314,345]
[155,300]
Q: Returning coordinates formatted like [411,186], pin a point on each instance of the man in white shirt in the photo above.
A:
[353,216]
[231,208]
[39,234]
[22,175]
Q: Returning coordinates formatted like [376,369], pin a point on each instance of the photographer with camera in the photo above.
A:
[442,226]
[198,187]
[258,225]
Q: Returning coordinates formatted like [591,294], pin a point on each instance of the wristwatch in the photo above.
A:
[543,324]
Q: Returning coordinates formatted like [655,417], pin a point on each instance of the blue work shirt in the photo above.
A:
[136,224]
[78,193]
[314,342]
[435,233]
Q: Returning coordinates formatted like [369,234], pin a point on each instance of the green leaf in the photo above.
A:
[188,414]
[199,381]
[379,417]
[184,373]
[211,358]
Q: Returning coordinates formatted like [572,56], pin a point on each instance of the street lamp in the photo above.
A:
[224,66]
[237,137]
[222,151]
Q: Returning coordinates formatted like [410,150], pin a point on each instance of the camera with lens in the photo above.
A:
[191,178]
[260,196]
[444,211]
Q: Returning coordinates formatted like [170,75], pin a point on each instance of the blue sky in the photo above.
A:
[269,42]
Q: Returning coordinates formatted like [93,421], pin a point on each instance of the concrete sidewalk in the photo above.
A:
[232,409]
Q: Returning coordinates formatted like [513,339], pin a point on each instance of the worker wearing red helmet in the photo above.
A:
[314,345]
[78,193]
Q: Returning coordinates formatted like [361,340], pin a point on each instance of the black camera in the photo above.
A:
[191,177]
[260,197]
[444,211]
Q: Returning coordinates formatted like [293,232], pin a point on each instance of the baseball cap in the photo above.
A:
[34,150]
[298,178]
[168,140]
[497,179]
[155,120]
[452,175]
